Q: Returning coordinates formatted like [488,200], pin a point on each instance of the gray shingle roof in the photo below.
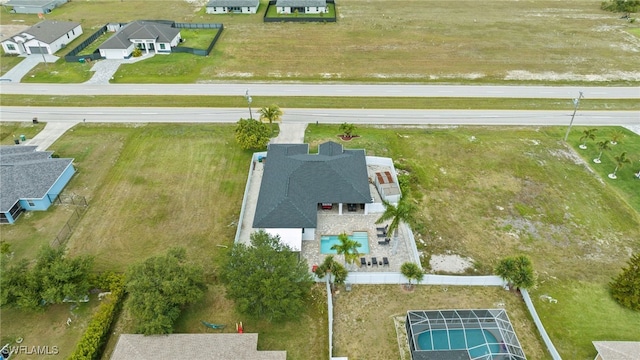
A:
[230,3]
[294,182]
[617,350]
[27,174]
[33,3]
[227,346]
[146,30]
[301,3]
[49,31]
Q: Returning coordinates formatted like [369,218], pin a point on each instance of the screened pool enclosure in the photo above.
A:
[461,335]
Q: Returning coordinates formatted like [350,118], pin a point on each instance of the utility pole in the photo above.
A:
[41,53]
[576,102]
[248,97]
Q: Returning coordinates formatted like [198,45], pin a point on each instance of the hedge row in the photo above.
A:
[93,339]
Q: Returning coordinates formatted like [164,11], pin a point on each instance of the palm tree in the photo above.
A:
[589,134]
[347,129]
[616,136]
[602,146]
[402,212]
[517,271]
[412,272]
[271,113]
[337,273]
[620,161]
[347,247]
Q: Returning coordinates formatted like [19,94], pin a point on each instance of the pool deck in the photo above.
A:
[330,222]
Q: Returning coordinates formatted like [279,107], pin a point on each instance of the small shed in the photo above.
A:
[33,6]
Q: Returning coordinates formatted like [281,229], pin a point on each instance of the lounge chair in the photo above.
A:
[385,261]
[363,262]
[374,261]
[383,242]
[383,235]
[383,228]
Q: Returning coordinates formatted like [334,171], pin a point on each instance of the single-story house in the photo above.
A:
[45,37]
[617,350]
[296,184]
[148,36]
[232,6]
[33,6]
[225,346]
[30,180]
[301,6]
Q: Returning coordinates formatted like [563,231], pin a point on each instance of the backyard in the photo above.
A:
[540,41]
[151,185]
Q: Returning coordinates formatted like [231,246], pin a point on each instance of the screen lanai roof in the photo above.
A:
[422,321]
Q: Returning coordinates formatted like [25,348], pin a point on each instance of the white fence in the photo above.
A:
[398,278]
[254,158]
[536,319]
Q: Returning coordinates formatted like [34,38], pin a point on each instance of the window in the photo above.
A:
[73,32]
[68,37]
[11,47]
[31,203]
[161,46]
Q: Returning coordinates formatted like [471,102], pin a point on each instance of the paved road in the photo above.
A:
[335,116]
[336,90]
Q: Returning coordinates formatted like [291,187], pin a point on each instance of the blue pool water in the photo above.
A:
[476,343]
[326,242]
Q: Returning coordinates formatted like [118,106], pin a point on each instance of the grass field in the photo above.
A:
[292,102]
[541,41]
[522,191]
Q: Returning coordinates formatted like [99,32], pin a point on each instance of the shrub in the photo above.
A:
[625,288]
[621,5]
[94,338]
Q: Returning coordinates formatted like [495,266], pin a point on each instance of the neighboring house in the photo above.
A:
[226,346]
[148,36]
[30,180]
[301,6]
[33,6]
[45,37]
[232,6]
[617,350]
[296,184]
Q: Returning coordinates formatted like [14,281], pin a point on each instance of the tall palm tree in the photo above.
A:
[271,113]
[620,161]
[602,146]
[337,274]
[347,247]
[402,212]
[589,134]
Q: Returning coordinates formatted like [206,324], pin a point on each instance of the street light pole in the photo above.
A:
[41,53]
[576,102]
[246,96]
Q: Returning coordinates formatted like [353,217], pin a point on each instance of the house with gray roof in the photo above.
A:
[301,6]
[30,180]
[296,185]
[225,346]
[45,37]
[148,36]
[617,350]
[32,6]
[232,6]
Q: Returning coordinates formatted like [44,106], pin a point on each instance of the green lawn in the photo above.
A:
[197,38]
[59,72]
[521,190]
[7,62]
[537,42]
[12,130]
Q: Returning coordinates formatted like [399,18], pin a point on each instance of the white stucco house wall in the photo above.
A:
[232,6]
[148,36]
[301,6]
[45,37]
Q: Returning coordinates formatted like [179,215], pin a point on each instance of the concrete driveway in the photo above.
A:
[30,61]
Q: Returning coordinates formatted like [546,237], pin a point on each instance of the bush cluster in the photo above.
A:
[93,339]
[627,6]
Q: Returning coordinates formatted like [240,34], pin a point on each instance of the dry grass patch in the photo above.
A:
[364,317]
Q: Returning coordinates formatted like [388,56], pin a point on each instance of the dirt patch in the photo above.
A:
[6,31]
[455,264]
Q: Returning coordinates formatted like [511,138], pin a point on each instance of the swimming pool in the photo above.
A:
[327,241]
[479,342]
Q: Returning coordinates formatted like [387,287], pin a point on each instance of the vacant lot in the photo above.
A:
[486,193]
[427,40]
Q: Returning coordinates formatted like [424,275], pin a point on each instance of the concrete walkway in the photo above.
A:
[30,61]
[51,132]
[105,69]
[290,133]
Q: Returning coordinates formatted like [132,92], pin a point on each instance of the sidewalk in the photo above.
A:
[30,61]
[51,132]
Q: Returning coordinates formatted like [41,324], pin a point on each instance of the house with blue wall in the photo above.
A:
[30,180]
